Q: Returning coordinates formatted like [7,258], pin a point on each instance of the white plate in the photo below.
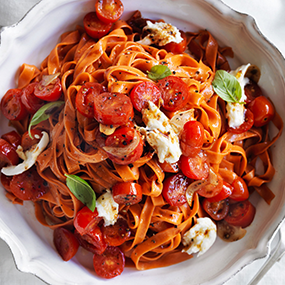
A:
[32,39]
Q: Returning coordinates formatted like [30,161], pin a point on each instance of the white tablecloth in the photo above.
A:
[270,17]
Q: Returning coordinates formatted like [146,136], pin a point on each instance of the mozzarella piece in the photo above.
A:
[160,134]
[200,237]
[107,208]
[235,111]
[160,34]
[29,157]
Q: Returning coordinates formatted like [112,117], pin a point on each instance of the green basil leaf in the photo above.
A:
[81,190]
[158,72]
[43,114]
[227,87]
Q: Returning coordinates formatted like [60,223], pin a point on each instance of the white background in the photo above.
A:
[270,18]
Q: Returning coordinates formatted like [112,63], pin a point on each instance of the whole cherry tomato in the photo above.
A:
[252,91]
[240,190]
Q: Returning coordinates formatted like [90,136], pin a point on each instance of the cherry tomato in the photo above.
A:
[30,101]
[174,189]
[65,243]
[177,47]
[210,190]
[194,167]
[117,234]
[13,138]
[84,100]
[240,190]
[252,90]
[109,11]
[27,142]
[50,92]
[192,138]
[94,27]
[28,185]
[246,125]
[109,264]
[216,210]
[169,167]
[8,153]
[113,109]
[263,111]
[174,93]
[226,191]
[127,193]
[85,220]
[143,93]
[241,214]
[5,181]
[12,106]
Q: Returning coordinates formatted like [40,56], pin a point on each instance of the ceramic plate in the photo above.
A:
[32,39]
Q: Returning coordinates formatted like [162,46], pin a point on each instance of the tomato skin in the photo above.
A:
[11,105]
[13,138]
[113,109]
[169,167]
[241,214]
[85,220]
[127,193]
[174,189]
[216,210]
[196,168]
[30,101]
[240,190]
[177,47]
[263,111]
[246,125]
[252,90]
[117,234]
[8,153]
[192,138]
[51,92]
[211,190]
[143,93]
[28,185]
[84,100]
[226,191]
[65,242]
[109,264]
[174,93]
[94,27]
[27,142]
[109,11]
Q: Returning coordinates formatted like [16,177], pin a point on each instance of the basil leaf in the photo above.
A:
[43,114]
[227,87]
[158,72]
[81,190]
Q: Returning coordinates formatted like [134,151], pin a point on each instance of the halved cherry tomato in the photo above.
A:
[28,185]
[13,138]
[192,138]
[110,263]
[241,214]
[51,92]
[226,191]
[174,93]
[30,101]
[84,100]
[252,90]
[169,167]
[263,111]
[5,181]
[246,125]
[8,153]
[12,106]
[177,47]
[85,220]
[211,189]
[216,210]
[65,243]
[127,193]
[240,190]
[109,11]
[113,109]
[27,142]
[94,27]
[117,234]
[194,167]
[174,189]
[143,93]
